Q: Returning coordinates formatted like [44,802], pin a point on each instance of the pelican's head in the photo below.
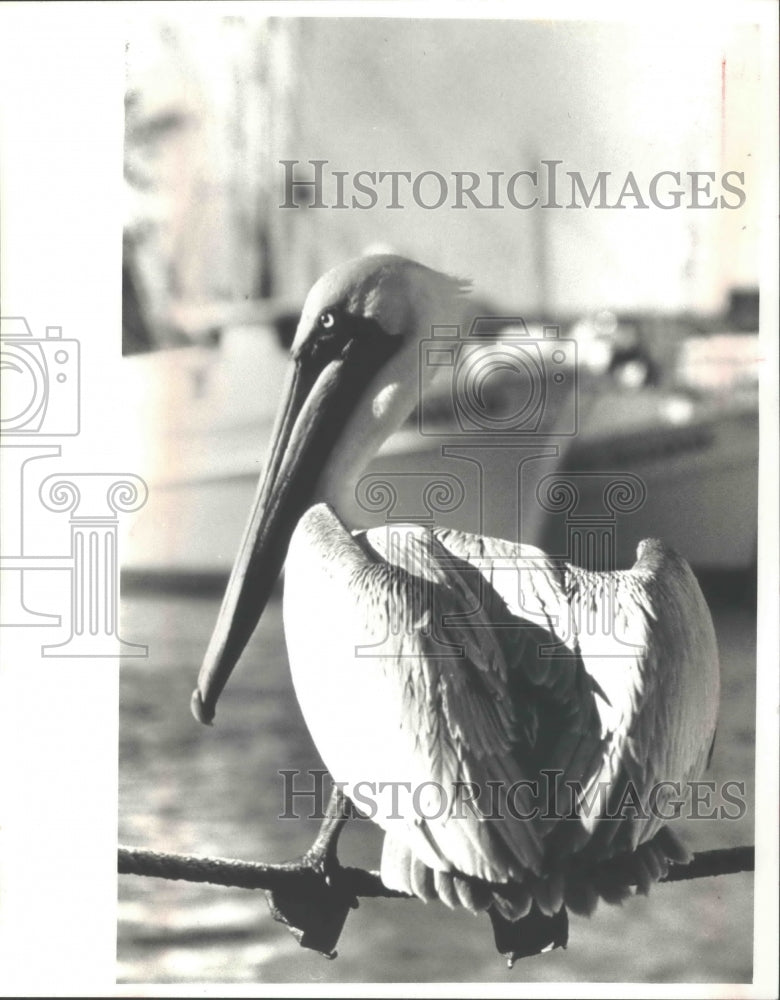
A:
[355,376]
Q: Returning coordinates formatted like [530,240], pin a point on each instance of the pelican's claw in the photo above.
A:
[314,912]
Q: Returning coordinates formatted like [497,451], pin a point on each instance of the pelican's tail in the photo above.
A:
[526,919]
[532,916]
[403,871]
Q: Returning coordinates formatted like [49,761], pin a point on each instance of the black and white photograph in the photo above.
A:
[389,487]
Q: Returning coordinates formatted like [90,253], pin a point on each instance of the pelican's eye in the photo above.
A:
[340,335]
[327,321]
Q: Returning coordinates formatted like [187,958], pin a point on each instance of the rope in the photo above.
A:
[293,877]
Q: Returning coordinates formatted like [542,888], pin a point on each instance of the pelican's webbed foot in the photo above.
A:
[315,910]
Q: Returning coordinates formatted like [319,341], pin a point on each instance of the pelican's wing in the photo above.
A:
[644,640]
[491,696]
[656,669]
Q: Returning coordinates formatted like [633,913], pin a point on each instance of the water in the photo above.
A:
[216,791]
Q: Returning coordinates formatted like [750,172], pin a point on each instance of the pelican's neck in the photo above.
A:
[380,412]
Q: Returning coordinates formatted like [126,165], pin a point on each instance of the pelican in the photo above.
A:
[434,667]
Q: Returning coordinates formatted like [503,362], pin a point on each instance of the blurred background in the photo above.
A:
[657,311]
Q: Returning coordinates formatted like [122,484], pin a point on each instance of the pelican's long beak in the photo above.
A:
[316,405]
